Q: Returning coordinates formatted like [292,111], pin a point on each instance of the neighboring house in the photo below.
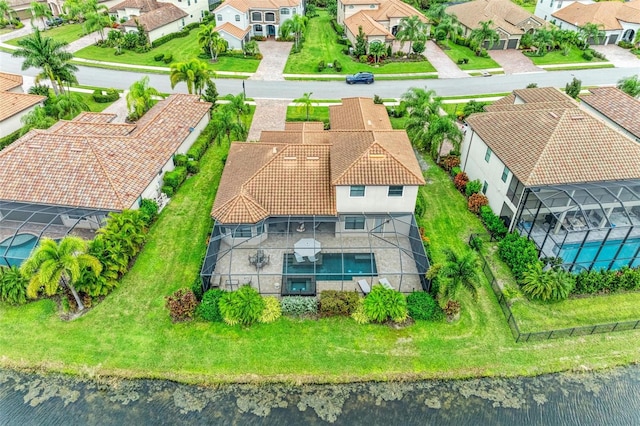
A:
[14,104]
[253,18]
[619,21]
[322,209]
[546,8]
[66,179]
[159,17]
[379,19]
[509,20]
[615,108]
[559,176]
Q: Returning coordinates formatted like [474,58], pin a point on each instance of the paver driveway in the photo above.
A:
[619,57]
[513,61]
[274,58]
[270,115]
[442,63]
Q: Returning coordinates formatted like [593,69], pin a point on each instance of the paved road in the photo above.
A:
[336,89]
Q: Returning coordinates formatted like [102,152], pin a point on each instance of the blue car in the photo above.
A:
[361,77]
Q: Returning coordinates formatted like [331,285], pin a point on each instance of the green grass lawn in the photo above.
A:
[321,44]
[317,113]
[93,105]
[66,33]
[556,57]
[456,52]
[182,49]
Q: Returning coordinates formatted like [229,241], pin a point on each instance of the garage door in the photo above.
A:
[499,45]
[512,44]
[613,39]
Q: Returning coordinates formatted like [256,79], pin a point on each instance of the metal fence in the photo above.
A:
[548,334]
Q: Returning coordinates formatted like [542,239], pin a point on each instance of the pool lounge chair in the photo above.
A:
[385,283]
[299,259]
[364,286]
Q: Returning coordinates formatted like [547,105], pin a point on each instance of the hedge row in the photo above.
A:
[111,95]
[179,34]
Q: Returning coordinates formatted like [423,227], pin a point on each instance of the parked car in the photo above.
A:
[360,77]
[55,21]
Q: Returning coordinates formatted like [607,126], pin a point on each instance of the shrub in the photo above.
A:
[321,66]
[493,223]
[175,177]
[149,209]
[421,203]
[167,190]
[243,306]
[592,282]
[518,253]
[208,309]
[178,34]
[383,304]
[421,306]
[454,171]
[111,95]
[337,65]
[476,201]
[476,243]
[272,310]
[587,56]
[363,59]
[13,286]
[181,304]
[193,167]
[297,306]
[377,100]
[334,303]
[460,181]
[450,161]
[553,285]
[197,289]
[451,308]
[473,187]
[359,315]
[158,57]
[167,58]
[180,160]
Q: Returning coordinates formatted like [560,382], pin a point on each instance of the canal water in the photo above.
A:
[591,398]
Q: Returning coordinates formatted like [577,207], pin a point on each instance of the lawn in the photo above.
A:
[93,105]
[317,113]
[321,44]
[456,52]
[129,334]
[556,57]
[66,33]
[182,49]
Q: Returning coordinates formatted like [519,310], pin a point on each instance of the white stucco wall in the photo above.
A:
[546,8]
[345,11]
[375,200]
[172,27]
[195,8]
[228,14]
[234,43]
[13,123]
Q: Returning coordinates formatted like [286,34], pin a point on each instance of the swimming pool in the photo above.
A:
[333,266]
[571,253]
[21,247]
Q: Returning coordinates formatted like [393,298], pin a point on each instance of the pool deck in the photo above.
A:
[9,227]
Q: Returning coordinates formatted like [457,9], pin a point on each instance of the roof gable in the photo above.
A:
[506,16]
[608,14]
[617,106]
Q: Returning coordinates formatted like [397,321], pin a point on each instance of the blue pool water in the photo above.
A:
[21,247]
[333,266]
[571,253]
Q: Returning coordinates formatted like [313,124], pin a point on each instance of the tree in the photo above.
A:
[547,285]
[6,11]
[224,124]
[251,48]
[591,31]
[211,94]
[438,12]
[573,88]
[361,43]
[47,54]
[542,40]
[306,103]
[40,11]
[485,33]
[421,105]
[377,49]
[97,21]
[211,39]
[52,264]
[441,128]
[411,29]
[332,8]
[140,97]
[448,28]
[630,85]
[67,106]
[194,73]
[459,272]
[37,119]
[238,106]
[298,27]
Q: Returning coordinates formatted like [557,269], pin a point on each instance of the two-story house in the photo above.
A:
[239,20]
[307,209]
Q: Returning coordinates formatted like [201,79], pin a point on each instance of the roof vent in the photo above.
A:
[377,156]
[577,117]
[313,158]
[290,158]
[35,146]
[369,122]
[553,114]
[274,150]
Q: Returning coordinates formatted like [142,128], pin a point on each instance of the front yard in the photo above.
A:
[556,57]
[457,52]
[63,33]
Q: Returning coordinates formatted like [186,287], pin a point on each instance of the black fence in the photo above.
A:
[548,334]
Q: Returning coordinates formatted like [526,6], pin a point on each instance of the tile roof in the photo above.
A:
[246,5]
[157,18]
[359,114]
[304,126]
[356,2]
[293,172]
[504,14]
[557,146]
[94,117]
[530,106]
[608,14]
[232,30]
[9,81]
[239,5]
[14,103]
[541,94]
[617,106]
[395,9]
[144,5]
[75,165]
[369,25]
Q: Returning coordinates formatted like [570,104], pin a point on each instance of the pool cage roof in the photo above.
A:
[40,220]
[394,240]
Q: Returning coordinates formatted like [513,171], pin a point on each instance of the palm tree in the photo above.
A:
[542,40]
[484,34]
[195,73]
[40,11]
[459,271]
[127,227]
[298,27]
[448,28]
[630,85]
[411,29]
[547,285]
[6,11]
[238,106]
[37,119]
[590,31]
[47,54]
[442,128]
[54,263]
[377,49]
[69,105]
[305,102]
[140,97]
[97,21]
[250,48]
[224,124]
[210,38]
[438,12]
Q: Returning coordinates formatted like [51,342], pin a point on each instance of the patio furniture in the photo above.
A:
[299,259]
[385,283]
[313,259]
[301,227]
[263,262]
[364,286]
[307,247]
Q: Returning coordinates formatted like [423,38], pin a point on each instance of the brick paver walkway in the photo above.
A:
[274,58]
[445,66]
[88,40]
[270,115]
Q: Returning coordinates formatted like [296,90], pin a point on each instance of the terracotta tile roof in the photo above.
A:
[607,13]
[232,30]
[9,81]
[239,5]
[93,129]
[359,114]
[94,117]
[369,25]
[304,126]
[541,94]
[96,169]
[144,5]
[157,18]
[360,2]
[557,146]
[396,9]
[246,5]
[530,106]
[505,15]
[14,103]
[617,106]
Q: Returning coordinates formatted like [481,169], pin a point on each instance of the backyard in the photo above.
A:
[63,33]
[457,52]
[317,113]
[321,45]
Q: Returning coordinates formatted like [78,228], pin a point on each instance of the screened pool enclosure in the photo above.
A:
[305,255]
[590,225]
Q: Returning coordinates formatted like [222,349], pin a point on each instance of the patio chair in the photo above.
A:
[299,259]
[385,283]
[312,259]
[364,286]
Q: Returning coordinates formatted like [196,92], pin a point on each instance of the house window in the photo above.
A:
[284,11]
[487,156]
[183,22]
[219,17]
[242,232]
[354,222]
[372,6]
[505,174]
[357,191]
[294,11]
[350,6]
[256,16]
[559,4]
[395,191]
[485,187]
[188,2]
[237,18]
[257,28]
[270,17]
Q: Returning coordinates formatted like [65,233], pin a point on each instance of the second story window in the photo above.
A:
[237,18]
[487,155]
[395,191]
[505,174]
[284,11]
[270,17]
[485,187]
[219,17]
[357,191]
[256,16]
